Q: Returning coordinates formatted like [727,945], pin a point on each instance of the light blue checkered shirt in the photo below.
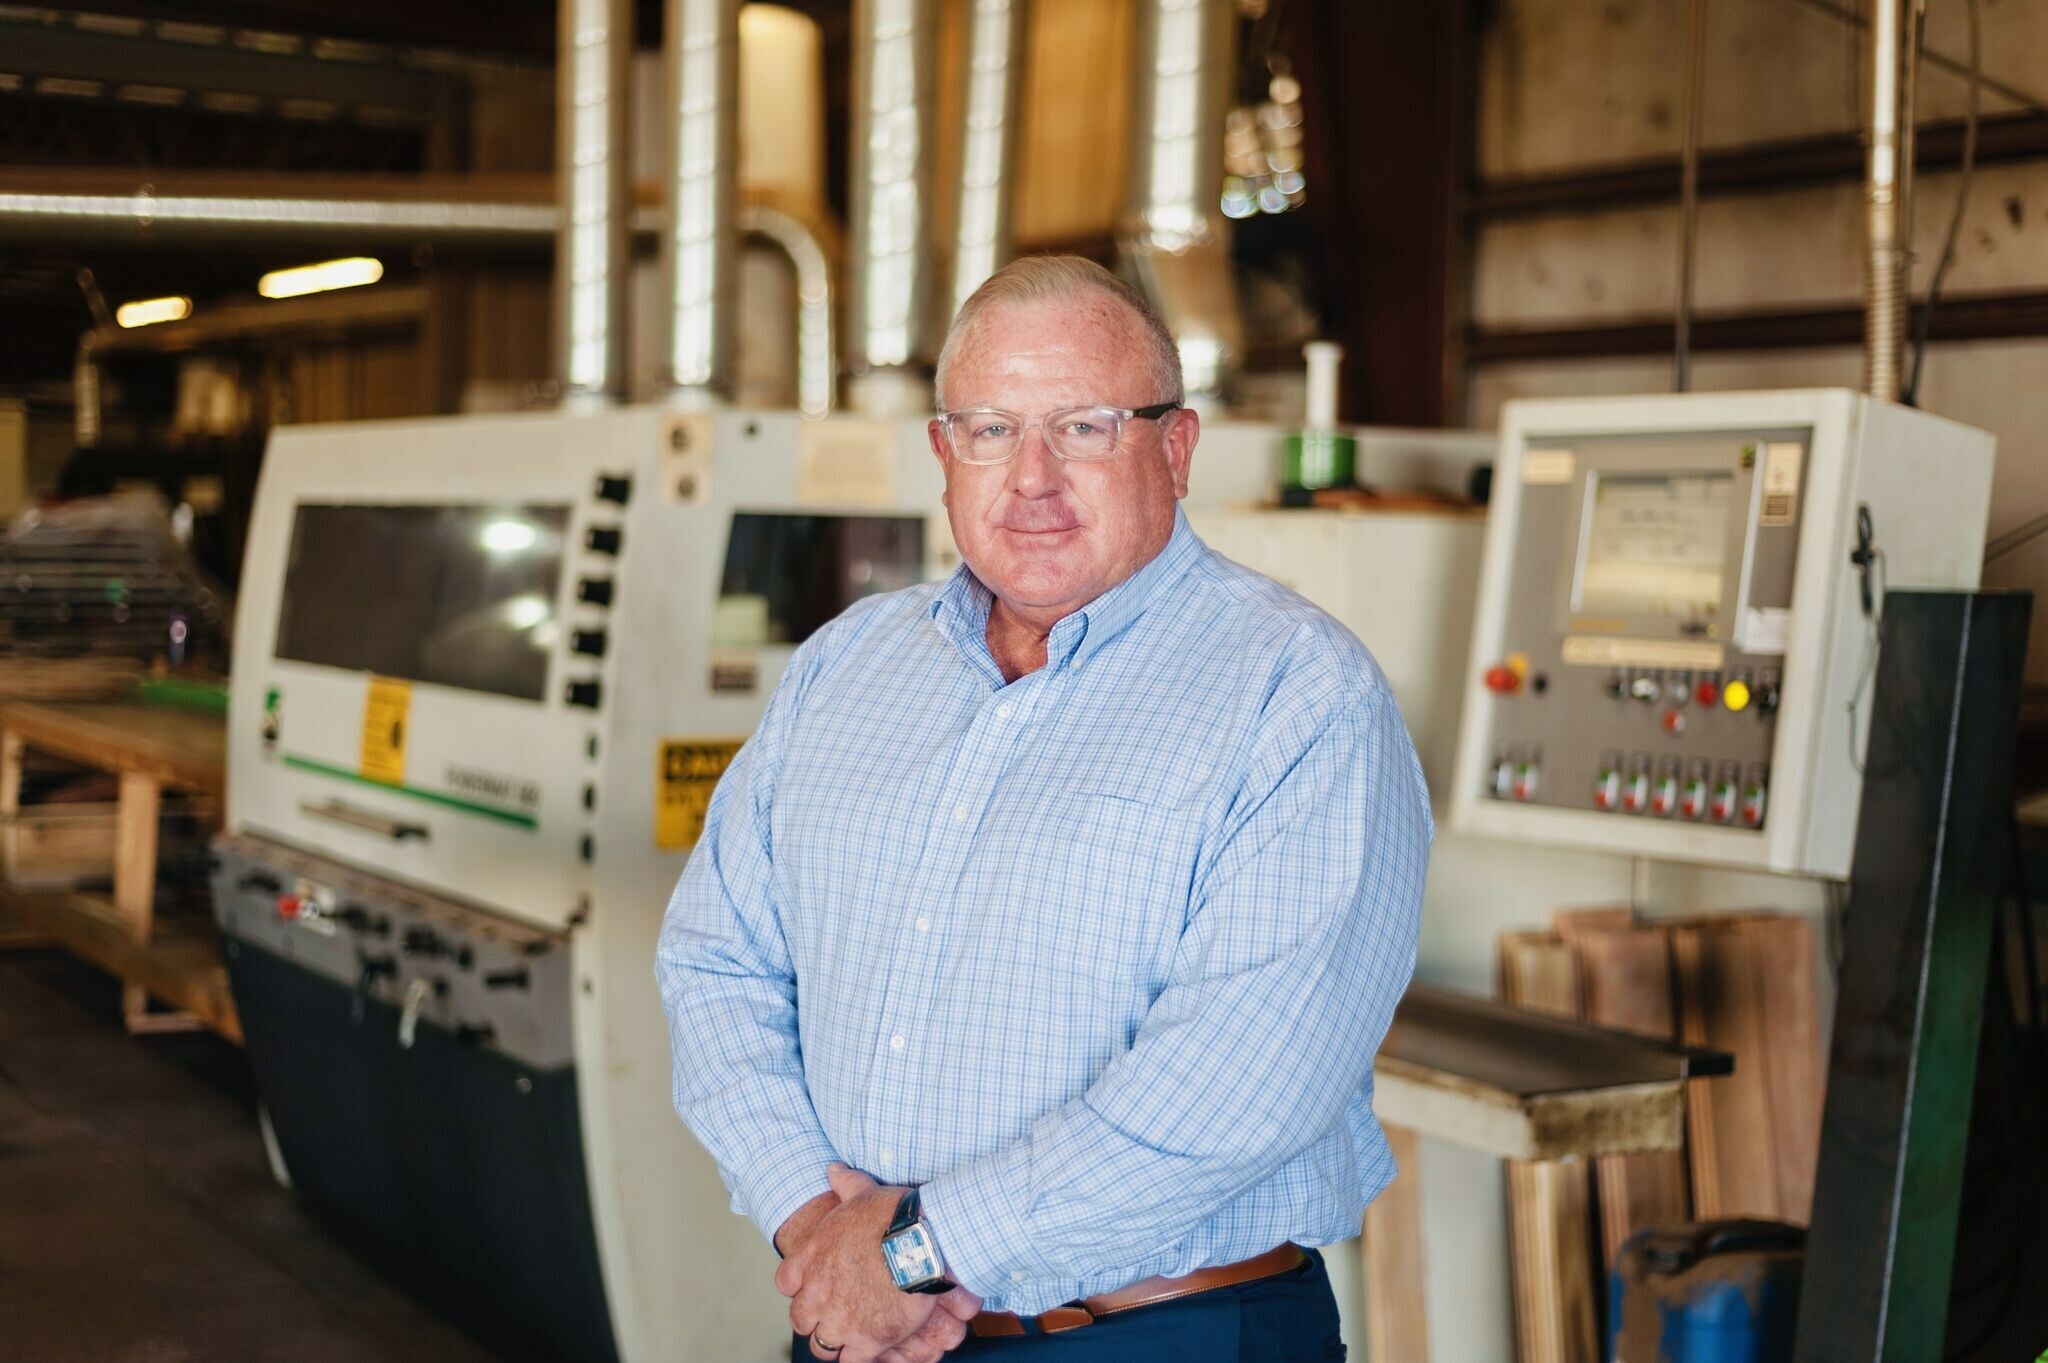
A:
[1100,956]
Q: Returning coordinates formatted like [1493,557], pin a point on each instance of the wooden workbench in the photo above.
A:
[149,748]
[1519,1085]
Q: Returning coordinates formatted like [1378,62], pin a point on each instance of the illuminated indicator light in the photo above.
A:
[288,905]
[1736,696]
[146,312]
[1502,680]
[1708,691]
[347,273]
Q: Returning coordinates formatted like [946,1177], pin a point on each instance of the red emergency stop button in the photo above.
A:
[1502,680]
[288,905]
[1708,692]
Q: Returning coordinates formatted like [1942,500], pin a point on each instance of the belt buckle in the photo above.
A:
[1063,1318]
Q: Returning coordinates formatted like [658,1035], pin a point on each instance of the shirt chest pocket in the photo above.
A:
[1101,887]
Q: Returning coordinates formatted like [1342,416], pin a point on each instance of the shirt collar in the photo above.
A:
[961,606]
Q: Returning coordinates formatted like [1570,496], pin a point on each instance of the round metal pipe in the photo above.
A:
[988,144]
[889,321]
[816,361]
[1884,320]
[1176,237]
[594,250]
[700,246]
[209,216]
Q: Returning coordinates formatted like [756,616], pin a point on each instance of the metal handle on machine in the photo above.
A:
[409,1011]
[394,829]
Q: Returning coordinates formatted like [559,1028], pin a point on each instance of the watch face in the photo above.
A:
[913,1259]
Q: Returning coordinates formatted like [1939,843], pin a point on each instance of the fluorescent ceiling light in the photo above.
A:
[328,274]
[148,311]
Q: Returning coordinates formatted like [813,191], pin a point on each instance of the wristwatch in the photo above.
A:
[912,1251]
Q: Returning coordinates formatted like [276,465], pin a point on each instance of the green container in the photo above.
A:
[1318,459]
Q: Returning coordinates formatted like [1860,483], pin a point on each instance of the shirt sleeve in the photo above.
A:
[728,987]
[1300,941]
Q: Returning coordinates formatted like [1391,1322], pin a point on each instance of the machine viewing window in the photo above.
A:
[785,575]
[1653,545]
[450,595]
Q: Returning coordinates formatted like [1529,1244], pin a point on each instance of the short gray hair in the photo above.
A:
[1055,279]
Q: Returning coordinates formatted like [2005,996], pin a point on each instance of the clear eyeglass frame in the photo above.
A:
[1078,435]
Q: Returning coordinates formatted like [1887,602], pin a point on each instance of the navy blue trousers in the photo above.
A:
[1291,1318]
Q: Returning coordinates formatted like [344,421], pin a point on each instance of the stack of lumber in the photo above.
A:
[1743,983]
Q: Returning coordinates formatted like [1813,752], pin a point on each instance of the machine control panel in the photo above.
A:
[472,974]
[1644,665]
[1671,626]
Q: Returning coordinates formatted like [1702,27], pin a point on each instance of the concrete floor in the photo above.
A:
[138,1219]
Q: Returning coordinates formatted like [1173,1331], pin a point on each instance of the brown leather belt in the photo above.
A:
[1144,1292]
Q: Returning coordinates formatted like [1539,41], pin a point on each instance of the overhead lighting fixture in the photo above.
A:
[346,273]
[149,311]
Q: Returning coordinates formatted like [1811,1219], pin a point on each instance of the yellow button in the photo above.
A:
[1736,695]
[1518,663]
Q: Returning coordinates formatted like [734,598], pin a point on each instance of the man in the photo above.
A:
[1075,893]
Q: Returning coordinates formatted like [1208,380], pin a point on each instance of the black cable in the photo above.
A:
[1911,394]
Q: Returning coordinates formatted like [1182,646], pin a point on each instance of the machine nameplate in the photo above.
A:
[846,463]
[1581,651]
[386,714]
[686,772]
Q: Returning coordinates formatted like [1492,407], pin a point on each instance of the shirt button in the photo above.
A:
[924,925]
[1002,712]
[895,1043]
[885,1158]
[959,813]
[1016,1275]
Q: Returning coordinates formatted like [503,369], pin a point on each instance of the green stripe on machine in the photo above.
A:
[430,796]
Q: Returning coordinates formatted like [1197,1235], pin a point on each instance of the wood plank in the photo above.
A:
[135,829]
[1549,1201]
[180,747]
[1396,1318]
[180,965]
[1626,982]
[1747,985]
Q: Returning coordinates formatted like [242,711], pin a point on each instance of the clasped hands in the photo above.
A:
[841,1294]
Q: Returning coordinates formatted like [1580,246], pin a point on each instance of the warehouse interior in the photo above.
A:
[328,1027]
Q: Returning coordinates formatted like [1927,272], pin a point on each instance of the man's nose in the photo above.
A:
[1035,471]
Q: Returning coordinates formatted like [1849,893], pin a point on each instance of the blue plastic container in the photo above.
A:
[1706,1292]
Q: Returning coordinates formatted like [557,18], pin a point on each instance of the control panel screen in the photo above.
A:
[785,575]
[450,595]
[1654,545]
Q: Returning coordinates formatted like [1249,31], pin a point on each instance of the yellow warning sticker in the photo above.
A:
[686,771]
[387,714]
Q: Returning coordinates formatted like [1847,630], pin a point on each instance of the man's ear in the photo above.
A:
[937,435]
[1180,446]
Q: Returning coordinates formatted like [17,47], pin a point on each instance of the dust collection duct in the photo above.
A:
[1175,238]
[988,144]
[1884,311]
[593,252]
[889,321]
[699,246]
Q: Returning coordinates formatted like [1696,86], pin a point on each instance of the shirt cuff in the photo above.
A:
[981,1236]
[784,1179]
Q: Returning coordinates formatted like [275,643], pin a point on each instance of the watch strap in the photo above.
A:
[907,1213]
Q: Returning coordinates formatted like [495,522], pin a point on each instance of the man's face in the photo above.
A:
[1048,536]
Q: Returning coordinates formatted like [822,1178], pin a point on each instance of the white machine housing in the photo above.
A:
[1794,465]
[542,810]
